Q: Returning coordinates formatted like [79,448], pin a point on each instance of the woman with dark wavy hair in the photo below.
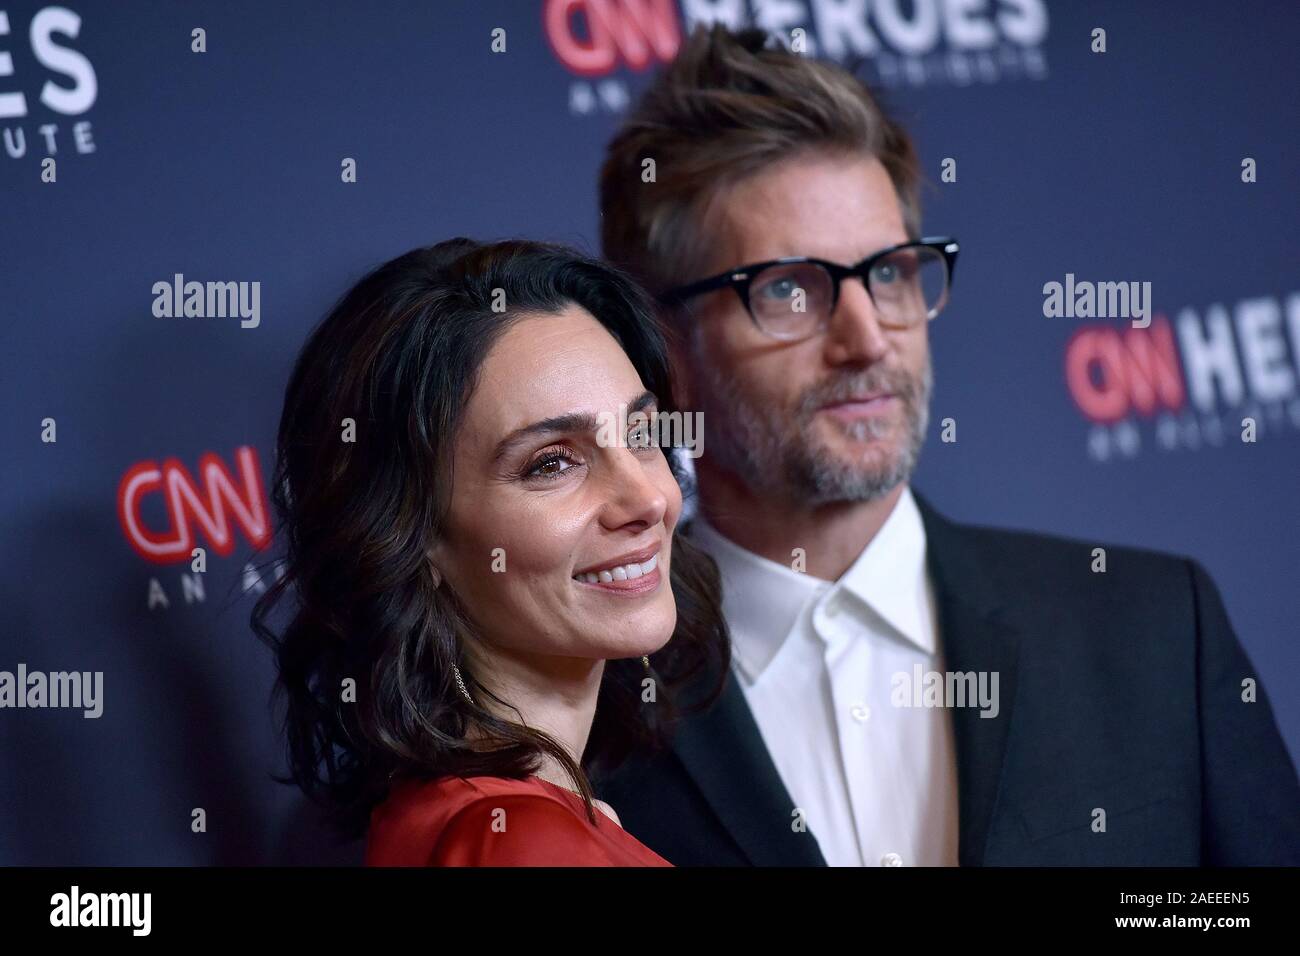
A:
[488,600]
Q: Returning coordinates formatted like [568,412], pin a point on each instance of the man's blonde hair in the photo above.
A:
[728,106]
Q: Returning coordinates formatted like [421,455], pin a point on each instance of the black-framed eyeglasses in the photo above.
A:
[795,297]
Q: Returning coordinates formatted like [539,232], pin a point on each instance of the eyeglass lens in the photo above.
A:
[907,287]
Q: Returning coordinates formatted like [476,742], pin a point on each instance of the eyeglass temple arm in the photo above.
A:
[704,285]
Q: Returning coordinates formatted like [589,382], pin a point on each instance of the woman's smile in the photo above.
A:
[629,575]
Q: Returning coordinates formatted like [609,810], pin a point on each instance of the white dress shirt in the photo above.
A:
[877,783]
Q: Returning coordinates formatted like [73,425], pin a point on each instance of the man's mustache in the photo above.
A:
[896,381]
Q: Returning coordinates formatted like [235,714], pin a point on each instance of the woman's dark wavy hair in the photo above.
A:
[400,354]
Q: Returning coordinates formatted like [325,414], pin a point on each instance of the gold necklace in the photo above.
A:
[577,793]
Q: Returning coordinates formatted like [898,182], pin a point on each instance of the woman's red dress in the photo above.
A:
[496,821]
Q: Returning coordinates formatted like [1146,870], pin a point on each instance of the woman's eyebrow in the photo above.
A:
[568,422]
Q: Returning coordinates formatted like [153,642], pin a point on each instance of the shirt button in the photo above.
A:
[861,712]
[891,859]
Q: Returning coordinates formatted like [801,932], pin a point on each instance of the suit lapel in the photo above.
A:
[723,751]
[977,635]
[724,754]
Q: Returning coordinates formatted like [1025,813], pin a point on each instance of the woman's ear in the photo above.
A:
[435,555]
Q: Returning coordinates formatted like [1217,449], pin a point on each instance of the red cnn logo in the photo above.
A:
[634,31]
[1111,374]
[211,505]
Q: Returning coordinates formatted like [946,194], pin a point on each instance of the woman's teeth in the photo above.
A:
[624,572]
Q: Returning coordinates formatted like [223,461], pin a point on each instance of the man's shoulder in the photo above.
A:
[1021,547]
[1028,562]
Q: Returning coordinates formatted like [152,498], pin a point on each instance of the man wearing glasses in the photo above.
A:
[905,690]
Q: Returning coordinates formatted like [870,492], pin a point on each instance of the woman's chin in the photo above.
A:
[641,643]
[622,632]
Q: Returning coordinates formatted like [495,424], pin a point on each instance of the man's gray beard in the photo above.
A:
[778,457]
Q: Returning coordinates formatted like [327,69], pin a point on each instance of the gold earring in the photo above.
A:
[645,659]
[460,682]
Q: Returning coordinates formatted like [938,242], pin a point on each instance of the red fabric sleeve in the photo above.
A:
[518,830]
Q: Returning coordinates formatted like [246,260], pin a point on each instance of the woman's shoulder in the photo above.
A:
[475,821]
[455,791]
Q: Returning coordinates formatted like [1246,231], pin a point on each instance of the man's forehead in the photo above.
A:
[838,211]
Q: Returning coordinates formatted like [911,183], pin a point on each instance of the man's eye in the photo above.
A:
[901,267]
[779,289]
[885,272]
[641,437]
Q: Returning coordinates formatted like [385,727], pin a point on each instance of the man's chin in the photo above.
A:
[854,438]
[862,458]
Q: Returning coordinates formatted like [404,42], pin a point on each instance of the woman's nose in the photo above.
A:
[633,494]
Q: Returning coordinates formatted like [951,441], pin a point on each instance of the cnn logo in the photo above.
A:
[592,37]
[1112,373]
[213,506]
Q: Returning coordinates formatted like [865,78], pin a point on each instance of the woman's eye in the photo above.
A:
[552,464]
[549,467]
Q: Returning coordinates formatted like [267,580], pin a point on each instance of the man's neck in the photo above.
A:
[831,536]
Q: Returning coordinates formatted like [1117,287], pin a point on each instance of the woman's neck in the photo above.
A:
[554,695]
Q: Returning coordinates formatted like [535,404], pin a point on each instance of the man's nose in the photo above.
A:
[853,332]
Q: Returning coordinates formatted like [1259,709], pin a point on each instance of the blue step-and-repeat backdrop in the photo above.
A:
[148,144]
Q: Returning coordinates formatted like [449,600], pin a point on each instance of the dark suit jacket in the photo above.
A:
[1120,690]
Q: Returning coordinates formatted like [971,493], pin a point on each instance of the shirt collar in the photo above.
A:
[762,600]
[889,576]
